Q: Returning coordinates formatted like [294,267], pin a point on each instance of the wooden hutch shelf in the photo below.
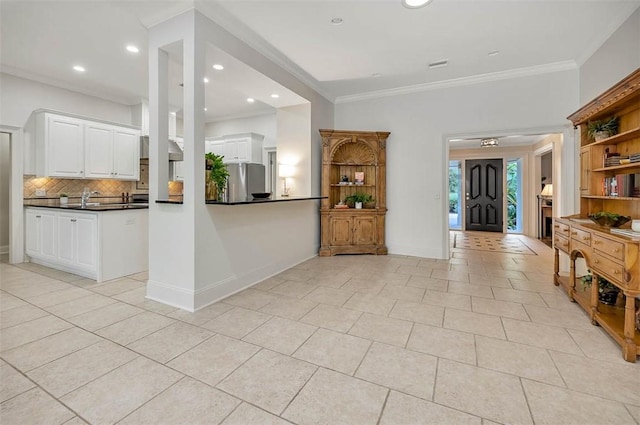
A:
[347,155]
[619,138]
[611,256]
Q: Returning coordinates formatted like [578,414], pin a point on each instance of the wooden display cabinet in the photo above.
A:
[347,155]
[612,256]
[623,101]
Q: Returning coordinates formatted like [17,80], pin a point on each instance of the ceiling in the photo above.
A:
[380,46]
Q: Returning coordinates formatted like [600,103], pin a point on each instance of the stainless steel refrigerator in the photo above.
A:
[244,179]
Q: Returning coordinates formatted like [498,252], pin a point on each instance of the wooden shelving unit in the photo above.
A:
[351,230]
[612,256]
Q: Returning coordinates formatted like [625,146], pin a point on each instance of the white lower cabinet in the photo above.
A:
[98,245]
[40,234]
[78,240]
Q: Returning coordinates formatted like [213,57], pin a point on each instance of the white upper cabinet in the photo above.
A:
[215,146]
[246,147]
[69,146]
[98,151]
[126,154]
[62,153]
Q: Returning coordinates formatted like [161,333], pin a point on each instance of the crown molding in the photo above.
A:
[26,75]
[602,36]
[463,81]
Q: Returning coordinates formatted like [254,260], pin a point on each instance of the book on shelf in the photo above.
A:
[625,185]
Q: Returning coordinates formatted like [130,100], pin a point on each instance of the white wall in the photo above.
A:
[294,147]
[416,152]
[5,168]
[19,97]
[261,124]
[618,57]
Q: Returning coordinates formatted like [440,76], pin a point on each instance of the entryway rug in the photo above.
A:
[502,244]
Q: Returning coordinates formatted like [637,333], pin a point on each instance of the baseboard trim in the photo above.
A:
[192,301]
[4,249]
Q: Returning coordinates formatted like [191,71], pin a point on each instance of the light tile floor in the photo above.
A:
[480,339]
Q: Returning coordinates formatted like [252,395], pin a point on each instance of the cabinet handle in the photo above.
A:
[73,220]
[585,238]
[574,233]
[616,272]
[596,261]
[38,216]
[616,250]
[557,226]
[596,242]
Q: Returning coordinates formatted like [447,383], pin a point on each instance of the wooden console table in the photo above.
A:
[614,257]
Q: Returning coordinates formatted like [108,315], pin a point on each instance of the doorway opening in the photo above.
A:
[5,178]
[514,196]
[455,200]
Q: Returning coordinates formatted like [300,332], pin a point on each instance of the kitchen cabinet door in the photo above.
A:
[78,240]
[86,241]
[66,231]
[65,146]
[230,151]
[40,232]
[126,154]
[98,151]
[214,146]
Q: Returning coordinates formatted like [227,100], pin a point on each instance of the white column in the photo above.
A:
[158,123]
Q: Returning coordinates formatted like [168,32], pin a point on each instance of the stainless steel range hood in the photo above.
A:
[175,153]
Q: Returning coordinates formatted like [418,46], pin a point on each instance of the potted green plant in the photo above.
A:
[607,291]
[216,176]
[64,199]
[602,129]
[357,199]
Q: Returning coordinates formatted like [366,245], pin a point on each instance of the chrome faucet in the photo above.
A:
[86,194]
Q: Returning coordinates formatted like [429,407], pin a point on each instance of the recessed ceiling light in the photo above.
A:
[133,49]
[376,75]
[250,100]
[205,79]
[275,96]
[439,64]
[218,67]
[205,109]
[415,4]
[336,21]
[78,68]
[173,113]
[494,53]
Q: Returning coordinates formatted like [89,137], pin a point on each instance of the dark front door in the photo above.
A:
[483,195]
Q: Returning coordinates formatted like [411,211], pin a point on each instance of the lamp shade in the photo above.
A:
[547,190]
[286,170]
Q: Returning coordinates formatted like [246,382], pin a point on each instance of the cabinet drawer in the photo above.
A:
[581,236]
[561,228]
[608,268]
[609,247]
[561,243]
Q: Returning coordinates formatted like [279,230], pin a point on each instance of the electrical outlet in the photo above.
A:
[41,192]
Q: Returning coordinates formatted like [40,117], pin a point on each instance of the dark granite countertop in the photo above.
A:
[251,202]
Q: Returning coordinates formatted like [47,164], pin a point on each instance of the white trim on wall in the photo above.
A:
[16,221]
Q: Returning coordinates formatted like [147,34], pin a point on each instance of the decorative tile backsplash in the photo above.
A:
[72,187]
